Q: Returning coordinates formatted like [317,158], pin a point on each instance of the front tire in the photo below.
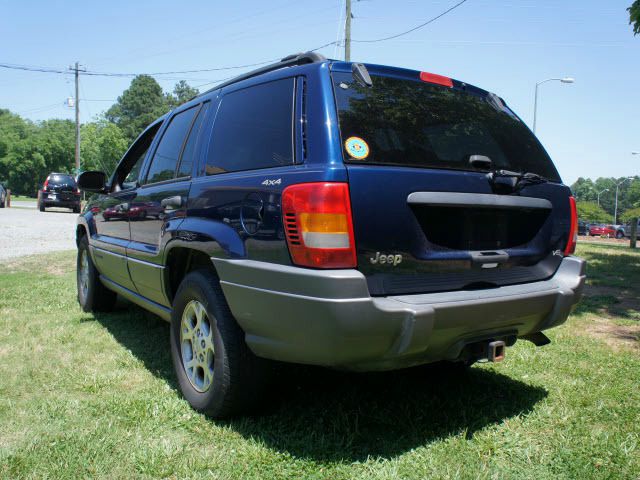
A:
[217,373]
[93,296]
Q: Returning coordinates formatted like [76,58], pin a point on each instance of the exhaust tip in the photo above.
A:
[496,351]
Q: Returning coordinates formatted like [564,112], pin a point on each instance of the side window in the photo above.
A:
[128,171]
[165,160]
[253,129]
[186,161]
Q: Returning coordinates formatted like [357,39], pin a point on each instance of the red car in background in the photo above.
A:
[133,211]
[602,230]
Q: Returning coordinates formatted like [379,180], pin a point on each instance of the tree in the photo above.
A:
[584,189]
[182,93]
[103,144]
[138,106]
[31,151]
[634,16]
[630,215]
[591,212]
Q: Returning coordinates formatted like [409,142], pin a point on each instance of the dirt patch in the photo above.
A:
[610,240]
[616,336]
[627,299]
[56,264]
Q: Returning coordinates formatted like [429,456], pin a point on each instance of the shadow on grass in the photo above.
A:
[327,415]
[613,283]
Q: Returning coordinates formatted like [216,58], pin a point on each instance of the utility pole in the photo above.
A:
[347,33]
[76,69]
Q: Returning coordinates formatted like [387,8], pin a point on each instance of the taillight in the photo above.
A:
[46,184]
[573,229]
[318,225]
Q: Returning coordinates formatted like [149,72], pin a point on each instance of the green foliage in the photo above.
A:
[28,152]
[182,93]
[634,16]
[102,145]
[143,102]
[591,212]
[630,214]
[138,106]
[586,190]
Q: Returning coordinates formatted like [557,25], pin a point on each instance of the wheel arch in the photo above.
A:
[179,261]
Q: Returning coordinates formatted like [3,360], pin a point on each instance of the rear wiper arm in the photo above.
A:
[515,180]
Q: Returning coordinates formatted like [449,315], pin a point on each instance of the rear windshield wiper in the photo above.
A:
[502,180]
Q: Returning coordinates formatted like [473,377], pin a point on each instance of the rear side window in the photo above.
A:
[253,129]
[165,160]
[416,124]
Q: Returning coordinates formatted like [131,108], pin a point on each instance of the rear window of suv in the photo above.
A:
[416,124]
[58,179]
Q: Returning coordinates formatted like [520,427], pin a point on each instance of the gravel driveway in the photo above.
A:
[25,231]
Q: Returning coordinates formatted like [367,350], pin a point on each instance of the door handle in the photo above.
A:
[171,203]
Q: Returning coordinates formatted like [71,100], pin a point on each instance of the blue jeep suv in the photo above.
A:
[352,216]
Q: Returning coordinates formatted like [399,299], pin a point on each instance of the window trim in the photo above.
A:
[144,183]
[157,125]
[294,130]
[202,110]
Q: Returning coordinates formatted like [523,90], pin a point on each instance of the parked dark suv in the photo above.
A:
[59,190]
[352,216]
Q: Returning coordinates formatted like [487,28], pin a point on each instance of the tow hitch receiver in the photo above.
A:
[496,351]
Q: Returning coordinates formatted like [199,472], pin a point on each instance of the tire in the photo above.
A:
[619,235]
[93,296]
[227,378]
[41,206]
[76,209]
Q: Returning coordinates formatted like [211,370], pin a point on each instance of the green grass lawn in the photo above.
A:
[85,397]
[22,198]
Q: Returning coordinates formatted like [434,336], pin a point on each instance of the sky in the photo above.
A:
[589,128]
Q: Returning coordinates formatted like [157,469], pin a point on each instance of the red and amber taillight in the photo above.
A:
[318,225]
[45,187]
[573,229]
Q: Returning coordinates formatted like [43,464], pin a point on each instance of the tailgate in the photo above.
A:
[428,231]
[426,215]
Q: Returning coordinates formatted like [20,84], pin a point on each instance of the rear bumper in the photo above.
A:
[328,317]
[58,201]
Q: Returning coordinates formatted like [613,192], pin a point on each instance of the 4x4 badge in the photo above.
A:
[382,258]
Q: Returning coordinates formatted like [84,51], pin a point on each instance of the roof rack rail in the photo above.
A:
[301,58]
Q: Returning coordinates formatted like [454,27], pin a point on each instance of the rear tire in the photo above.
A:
[41,207]
[217,373]
[76,209]
[619,235]
[93,296]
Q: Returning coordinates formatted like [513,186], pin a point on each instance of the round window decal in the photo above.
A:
[357,148]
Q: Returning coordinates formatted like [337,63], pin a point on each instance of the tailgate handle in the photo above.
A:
[489,259]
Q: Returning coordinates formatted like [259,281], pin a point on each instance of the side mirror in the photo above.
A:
[92,181]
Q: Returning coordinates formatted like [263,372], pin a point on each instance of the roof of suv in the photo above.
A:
[306,58]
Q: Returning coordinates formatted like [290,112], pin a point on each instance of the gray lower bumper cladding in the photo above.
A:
[328,317]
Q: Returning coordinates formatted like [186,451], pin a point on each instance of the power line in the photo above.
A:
[414,28]
[129,74]
[40,69]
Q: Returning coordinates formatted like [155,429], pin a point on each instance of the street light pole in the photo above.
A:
[535,101]
[615,211]
[600,193]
